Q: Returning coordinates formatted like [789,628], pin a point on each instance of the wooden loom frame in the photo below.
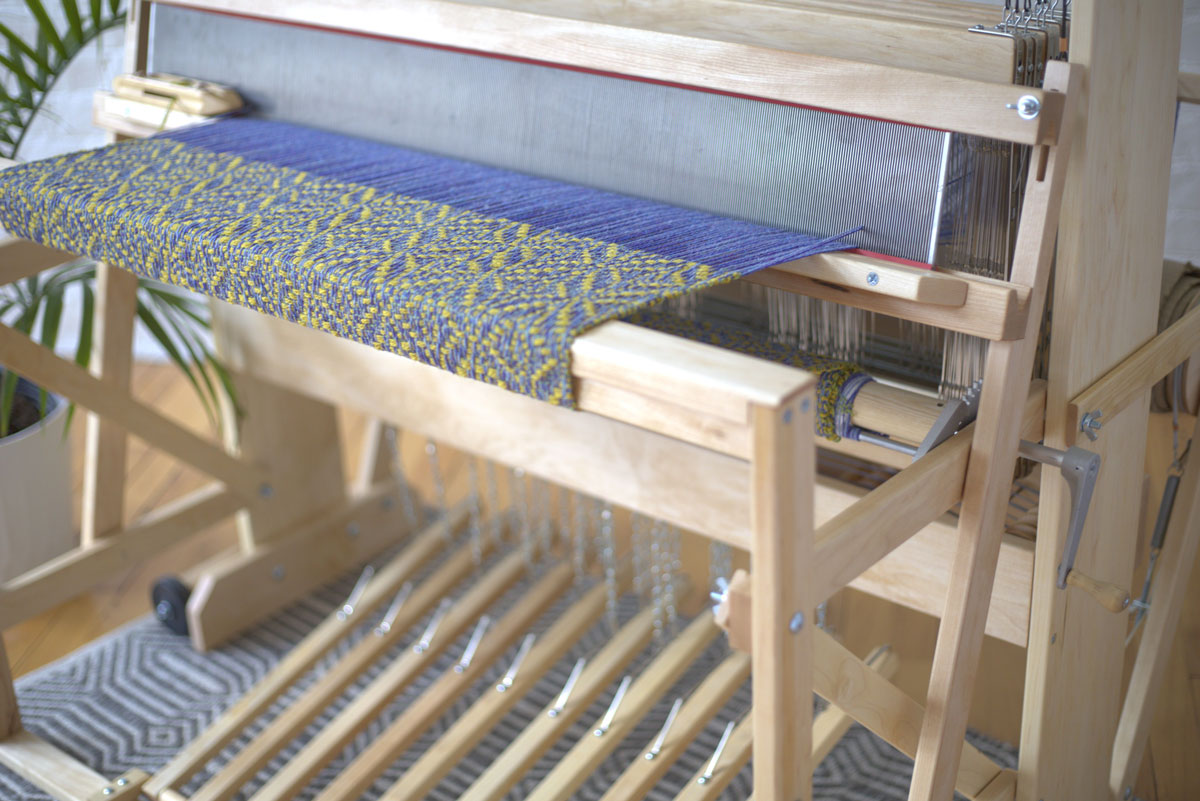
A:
[732,420]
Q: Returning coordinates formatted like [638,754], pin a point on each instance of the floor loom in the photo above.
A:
[651,403]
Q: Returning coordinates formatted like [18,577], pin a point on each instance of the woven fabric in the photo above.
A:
[837,382]
[482,272]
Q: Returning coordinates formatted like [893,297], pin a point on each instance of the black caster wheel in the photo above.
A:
[170,597]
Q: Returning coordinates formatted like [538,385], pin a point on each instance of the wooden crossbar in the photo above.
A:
[1141,370]
[386,582]
[20,259]
[22,355]
[908,96]
[58,580]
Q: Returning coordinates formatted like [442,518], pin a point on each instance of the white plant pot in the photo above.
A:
[35,493]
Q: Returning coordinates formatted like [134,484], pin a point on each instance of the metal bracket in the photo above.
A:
[1080,470]
[956,415]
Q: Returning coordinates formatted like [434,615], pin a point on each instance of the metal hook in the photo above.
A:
[356,594]
[511,675]
[430,630]
[472,645]
[561,702]
[606,723]
[716,757]
[389,618]
[656,749]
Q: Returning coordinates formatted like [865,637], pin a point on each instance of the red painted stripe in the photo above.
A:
[551,64]
[896,259]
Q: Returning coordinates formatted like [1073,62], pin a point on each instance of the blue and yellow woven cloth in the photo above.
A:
[479,271]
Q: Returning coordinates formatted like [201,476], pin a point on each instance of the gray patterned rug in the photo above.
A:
[136,696]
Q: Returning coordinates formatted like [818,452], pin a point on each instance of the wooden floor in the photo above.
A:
[1171,771]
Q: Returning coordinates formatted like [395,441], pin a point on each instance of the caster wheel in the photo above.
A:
[170,597]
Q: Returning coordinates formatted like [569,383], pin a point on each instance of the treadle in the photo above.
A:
[497,657]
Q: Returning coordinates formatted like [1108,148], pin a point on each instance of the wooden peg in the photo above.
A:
[733,612]
[587,754]
[1109,595]
[368,704]
[402,732]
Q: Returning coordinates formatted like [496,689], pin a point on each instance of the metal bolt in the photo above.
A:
[1090,423]
[121,782]
[278,573]
[872,279]
[107,791]
[1053,638]
[1027,106]
[266,491]
[352,529]
[1128,792]
[787,415]
[805,403]
[162,610]
[796,623]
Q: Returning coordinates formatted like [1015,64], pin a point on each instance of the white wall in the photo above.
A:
[1183,215]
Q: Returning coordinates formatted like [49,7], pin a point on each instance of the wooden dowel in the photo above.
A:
[1113,598]
[543,731]
[369,703]
[382,587]
[40,365]
[292,721]
[900,413]
[402,732]
[587,754]
[707,699]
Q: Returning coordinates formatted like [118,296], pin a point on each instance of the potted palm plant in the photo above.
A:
[35,478]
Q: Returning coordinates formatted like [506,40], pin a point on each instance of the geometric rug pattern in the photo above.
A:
[133,698]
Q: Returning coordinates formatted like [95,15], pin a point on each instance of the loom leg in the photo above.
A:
[10,715]
[296,439]
[375,460]
[1154,651]
[782,602]
[112,361]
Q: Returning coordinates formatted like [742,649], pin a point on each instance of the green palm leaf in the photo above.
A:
[33,67]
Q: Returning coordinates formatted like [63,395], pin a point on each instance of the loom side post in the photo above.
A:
[989,476]
[783,465]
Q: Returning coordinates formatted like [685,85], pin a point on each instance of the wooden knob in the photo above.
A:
[1110,596]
